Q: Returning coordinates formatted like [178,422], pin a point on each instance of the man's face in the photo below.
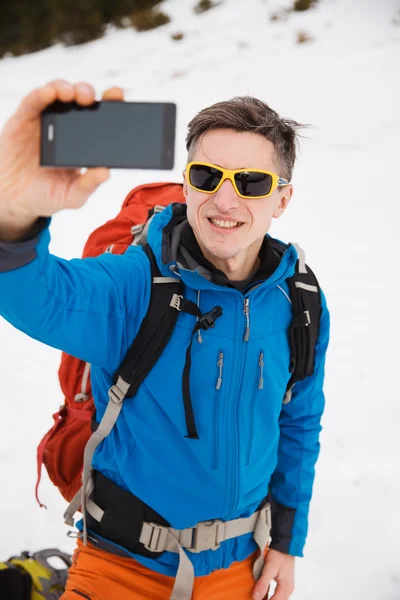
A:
[233,150]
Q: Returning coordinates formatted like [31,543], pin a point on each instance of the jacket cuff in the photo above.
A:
[14,255]
[282,526]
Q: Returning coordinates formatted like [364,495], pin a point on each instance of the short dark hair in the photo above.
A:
[245,113]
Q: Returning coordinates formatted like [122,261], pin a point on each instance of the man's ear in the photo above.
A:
[185,185]
[285,195]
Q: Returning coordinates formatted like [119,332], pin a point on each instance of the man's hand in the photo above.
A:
[28,191]
[279,567]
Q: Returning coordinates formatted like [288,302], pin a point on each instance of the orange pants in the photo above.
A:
[99,575]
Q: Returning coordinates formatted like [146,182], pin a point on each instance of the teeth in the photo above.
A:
[226,224]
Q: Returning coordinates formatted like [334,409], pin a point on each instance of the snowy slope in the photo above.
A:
[345,214]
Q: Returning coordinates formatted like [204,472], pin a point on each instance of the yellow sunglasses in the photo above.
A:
[248,183]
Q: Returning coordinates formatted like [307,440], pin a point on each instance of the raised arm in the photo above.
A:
[90,308]
[79,306]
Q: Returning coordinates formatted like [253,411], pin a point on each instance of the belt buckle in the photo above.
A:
[207,535]
[264,518]
[268,516]
[157,539]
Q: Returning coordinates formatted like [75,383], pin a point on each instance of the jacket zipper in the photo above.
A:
[233,460]
[261,365]
[253,405]
[220,364]
[246,312]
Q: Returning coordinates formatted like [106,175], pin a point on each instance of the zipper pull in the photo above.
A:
[246,312]
[261,365]
[199,338]
[220,364]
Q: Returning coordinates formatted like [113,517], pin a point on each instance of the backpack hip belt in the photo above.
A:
[206,535]
[126,521]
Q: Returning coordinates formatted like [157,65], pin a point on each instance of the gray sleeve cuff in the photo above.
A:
[14,255]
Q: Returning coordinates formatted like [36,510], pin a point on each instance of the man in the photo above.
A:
[241,444]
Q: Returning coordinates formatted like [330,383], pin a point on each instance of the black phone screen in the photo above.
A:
[125,135]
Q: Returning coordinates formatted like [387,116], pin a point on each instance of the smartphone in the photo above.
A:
[114,134]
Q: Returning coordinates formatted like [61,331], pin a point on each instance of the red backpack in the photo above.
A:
[61,449]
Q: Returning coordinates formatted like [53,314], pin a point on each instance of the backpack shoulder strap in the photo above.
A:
[146,349]
[155,330]
[305,295]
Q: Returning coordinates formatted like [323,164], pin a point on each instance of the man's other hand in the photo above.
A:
[280,568]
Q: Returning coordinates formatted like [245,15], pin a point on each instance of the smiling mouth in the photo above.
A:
[220,224]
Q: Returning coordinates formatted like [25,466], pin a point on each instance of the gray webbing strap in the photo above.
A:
[139,232]
[116,395]
[136,232]
[94,510]
[76,502]
[164,280]
[261,536]
[184,581]
[306,286]
[72,508]
[302,259]
[207,535]
[141,238]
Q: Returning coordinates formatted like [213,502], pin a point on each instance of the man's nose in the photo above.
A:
[226,198]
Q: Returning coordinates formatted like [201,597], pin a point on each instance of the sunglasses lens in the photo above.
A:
[204,178]
[251,183]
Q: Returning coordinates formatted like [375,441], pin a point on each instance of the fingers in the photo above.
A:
[282,592]
[114,93]
[84,185]
[35,102]
[279,568]
[84,94]
[261,590]
[59,89]
[90,180]
[40,98]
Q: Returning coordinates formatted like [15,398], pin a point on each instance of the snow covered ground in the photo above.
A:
[345,213]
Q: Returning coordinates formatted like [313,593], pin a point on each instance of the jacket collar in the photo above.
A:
[164,238]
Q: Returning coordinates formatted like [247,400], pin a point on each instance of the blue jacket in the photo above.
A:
[249,441]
